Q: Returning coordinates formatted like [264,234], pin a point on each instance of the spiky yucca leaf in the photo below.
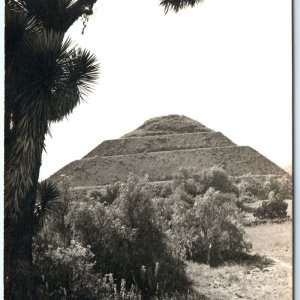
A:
[17,24]
[176,5]
[53,73]
[82,70]
[48,204]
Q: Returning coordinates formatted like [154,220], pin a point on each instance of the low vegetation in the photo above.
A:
[272,209]
[133,240]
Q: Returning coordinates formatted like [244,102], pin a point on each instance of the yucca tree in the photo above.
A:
[46,77]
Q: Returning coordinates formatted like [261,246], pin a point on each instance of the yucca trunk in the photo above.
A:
[19,254]
[19,225]
[18,248]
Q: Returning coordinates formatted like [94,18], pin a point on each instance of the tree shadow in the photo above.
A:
[253,260]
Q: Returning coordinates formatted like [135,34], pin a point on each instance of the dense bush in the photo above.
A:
[198,184]
[205,228]
[108,196]
[162,190]
[250,186]
[221,234]
[260,188]
[184,180]
[127,242]
[218,179]
[272,209]
[280,187]
[141,233]
[247,199]
[68,273]
[243,201]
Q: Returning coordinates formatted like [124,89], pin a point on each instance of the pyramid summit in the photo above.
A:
[159,148]
[170,124]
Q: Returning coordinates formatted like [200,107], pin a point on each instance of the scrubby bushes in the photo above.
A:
[162,190]
[66,272]
[278,187]
[201,218]
[260,188]
[69,273]
[274,188]
[142,234]
[198,184]
[205,228]
[109,195]
[272,209]
[127,242]
[218,179]
[250,186]
[123,238]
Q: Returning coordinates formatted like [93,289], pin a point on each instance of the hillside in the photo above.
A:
[159,148]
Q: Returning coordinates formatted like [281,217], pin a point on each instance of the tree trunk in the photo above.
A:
[19,235]
[18,244]
[18,232]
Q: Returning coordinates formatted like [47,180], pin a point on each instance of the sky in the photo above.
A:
[226,64]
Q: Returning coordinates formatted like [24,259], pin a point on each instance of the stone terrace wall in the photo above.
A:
[96,171]
[160,143]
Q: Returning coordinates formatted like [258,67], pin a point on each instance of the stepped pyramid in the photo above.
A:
[159,148]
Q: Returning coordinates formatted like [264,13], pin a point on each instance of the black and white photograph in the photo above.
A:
[148,150]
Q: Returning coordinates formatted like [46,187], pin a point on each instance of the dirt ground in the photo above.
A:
[268,278]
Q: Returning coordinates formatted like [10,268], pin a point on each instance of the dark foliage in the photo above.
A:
[272,209]
[278,187]
[198,184]
[127,242]
[218,179]
[249,186]
[176,5]
[48,204]
[111,193]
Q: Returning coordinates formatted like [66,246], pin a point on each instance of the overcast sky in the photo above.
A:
[226,64]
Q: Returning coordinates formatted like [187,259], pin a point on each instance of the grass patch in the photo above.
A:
[264,274]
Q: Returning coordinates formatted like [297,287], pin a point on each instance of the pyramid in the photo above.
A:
[159,148]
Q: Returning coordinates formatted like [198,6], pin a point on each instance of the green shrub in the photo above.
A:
[272,209]
[127,241]
[183,180]
[243,201]
[162,190]
[206,228]
[251,187]
[247,199]
[218,179]
[220,226]
[66,273]
[196,184]
[280,187]
[110,194]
